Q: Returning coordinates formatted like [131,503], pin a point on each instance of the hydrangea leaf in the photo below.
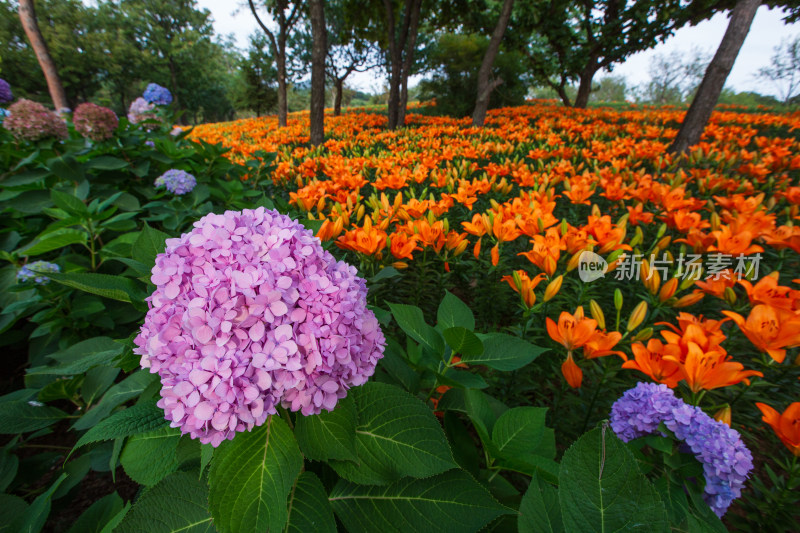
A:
[148,245]
[35,516]
[22,417]
[309,508]
[177,503]
[130,387]
[453,313]
[397,436]
[134,420]
[11,508]
[98,515]
[602,489]
[105,285]
[251,477]
[150,457]
[539,511]
[463,341]
[452,501]
[330,434]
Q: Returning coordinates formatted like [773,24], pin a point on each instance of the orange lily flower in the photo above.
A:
[786,425]
[524,285]
[572,372]
[572,331]
[601,343]
[767,291]
[734,244]
[715,286]
[710,370]
[650,360]
[402,245]
[770,329]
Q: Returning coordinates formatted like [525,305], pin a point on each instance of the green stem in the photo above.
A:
[594,397]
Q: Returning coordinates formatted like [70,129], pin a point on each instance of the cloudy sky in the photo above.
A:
[766,32]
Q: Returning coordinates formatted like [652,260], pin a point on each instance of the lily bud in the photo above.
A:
[724,415]
[573,262]
[689,299]
[597,313]
[643,335]
[552,288]
[400,265]
[668,290]
[637,316]
[729,296]
[572,372]
[617,299]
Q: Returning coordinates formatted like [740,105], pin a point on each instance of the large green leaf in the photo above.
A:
[178,503]
[34,517]
[601,488]
[135,420]
[397,436]
[309,508]
[454,313]
[113,287]
[9,464]
[82,356]
[539,511]
[106,162]
[22,417]
[452,501]
[54,241]
[148,245]
[98,514]
[11,508]
[130,387]
[463,341]
[330,434]
[68,203]
[518,431]
[411,320]
[251,477]
[504,352]
[150,457]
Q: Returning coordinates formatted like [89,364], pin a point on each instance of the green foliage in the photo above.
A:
[454,61]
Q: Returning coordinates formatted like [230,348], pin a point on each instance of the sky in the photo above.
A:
[767,31]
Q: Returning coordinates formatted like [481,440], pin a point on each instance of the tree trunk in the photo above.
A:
[485,87]
[562,93]
[27,15]
[585,85]
[283,104]
[338,87]
[395,64]
[716,74]
[319,50]
[408,60]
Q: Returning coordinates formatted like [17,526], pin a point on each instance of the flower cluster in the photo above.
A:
[6,95]
[250,312]
[31,121]
[725,459]
[95,122]
[158,95]
[35,272]
[141,110]
[176,181]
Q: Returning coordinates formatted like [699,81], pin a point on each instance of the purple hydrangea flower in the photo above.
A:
[6,95]
[158,95]
[141,110]
[250,312]
[726,460]
[31,121]
[35,272]
[176,181]
[150,143]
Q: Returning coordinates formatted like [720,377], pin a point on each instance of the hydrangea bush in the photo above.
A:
[157,95]
[95,122]
[250,312]
[37,272]
[141,110]
[177,182]
[31,121]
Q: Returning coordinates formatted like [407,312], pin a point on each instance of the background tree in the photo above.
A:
[259,77]
[714,79]
[485,85]
[673,77]
[454,61]
[316,11]
[27,16]
[610,88]
[575,40]
[784,69]
[286,14]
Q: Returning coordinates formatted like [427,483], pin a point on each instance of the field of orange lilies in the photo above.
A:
[577,231]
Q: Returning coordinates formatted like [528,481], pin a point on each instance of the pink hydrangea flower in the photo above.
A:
[250,312]
[141,110]
[31,121]
[95,122]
